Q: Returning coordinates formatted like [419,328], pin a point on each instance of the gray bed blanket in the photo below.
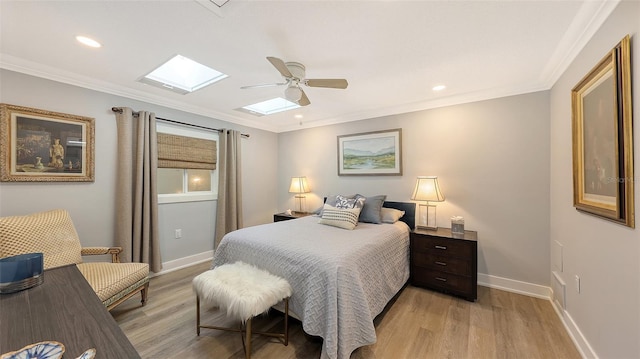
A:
[341,279]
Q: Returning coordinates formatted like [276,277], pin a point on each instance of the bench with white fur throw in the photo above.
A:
[244,291]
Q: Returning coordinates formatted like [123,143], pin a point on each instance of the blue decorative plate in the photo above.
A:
[42,350]
[89,354]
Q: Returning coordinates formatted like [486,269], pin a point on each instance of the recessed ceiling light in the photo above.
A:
[439,88]
[182,75]
[298,116]
[269,107]
[88,41]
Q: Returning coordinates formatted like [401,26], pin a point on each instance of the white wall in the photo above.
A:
[492,160]
[92,204]
[605,255]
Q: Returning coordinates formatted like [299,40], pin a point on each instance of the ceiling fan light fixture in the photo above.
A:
[293,93]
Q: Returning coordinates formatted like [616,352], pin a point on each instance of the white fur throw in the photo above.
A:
[241,289]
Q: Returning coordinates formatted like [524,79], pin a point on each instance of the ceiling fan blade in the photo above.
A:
[304,100]
[330,83]
[263,85]
[280,66]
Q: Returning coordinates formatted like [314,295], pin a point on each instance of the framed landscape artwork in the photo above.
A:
[44,146]
[602,139]
[370,154]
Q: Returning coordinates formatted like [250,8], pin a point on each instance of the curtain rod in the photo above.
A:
[119,110]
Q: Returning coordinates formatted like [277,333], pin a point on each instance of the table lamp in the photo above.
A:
[299,186]
[427,190]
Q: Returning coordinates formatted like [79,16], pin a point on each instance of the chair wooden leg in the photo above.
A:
[248,340]
[143,293]
[198,315]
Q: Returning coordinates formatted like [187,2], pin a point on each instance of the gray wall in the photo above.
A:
[605,255]
[92,204]
[504,164]
[492,161]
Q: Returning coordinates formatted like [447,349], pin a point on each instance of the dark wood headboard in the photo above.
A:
[409,209]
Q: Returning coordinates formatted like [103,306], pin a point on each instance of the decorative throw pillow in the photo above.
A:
[344,202]
[331,200]
[391,215]
[371,212]
[346,218]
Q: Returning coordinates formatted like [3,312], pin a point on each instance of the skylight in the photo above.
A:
[182,75]
[269,107]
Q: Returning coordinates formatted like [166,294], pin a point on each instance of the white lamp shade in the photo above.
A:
[427,189]
[299,185]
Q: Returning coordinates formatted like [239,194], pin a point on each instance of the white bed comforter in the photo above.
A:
[341,279]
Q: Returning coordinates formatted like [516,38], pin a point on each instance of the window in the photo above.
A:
[179,149]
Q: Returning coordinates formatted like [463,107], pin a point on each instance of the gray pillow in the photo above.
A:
[372,210]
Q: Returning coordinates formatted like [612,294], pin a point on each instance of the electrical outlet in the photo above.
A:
[178,233]
[577,283]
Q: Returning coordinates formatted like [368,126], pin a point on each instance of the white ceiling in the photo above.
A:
[391,52]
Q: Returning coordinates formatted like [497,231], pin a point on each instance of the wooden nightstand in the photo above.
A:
[444,262]
[285,217]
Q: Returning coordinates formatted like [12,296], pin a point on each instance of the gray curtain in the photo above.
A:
[229,210]
[136,190]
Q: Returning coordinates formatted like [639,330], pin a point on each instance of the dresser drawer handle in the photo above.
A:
[441,247]
[441,279]
[441,263]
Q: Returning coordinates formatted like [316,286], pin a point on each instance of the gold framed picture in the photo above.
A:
[603,183]
[44,146]
[376,153]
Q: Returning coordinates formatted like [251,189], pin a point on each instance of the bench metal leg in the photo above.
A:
[248,335]
[286,321]
[247,330]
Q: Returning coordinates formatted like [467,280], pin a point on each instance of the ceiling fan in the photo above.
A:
[294,75]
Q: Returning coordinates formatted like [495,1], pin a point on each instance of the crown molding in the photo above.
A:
[15,64]
[591,15]
[421,106]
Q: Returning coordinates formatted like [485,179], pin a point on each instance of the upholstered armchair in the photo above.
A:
[53,234]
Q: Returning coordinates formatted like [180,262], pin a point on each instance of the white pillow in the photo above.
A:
[346,218]
[391,215]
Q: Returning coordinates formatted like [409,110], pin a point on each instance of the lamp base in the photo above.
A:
[427,216]
[300,204]
[427,228]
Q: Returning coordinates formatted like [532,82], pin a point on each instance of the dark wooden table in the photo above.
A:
[64,309]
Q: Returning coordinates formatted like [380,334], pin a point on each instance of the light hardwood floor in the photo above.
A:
[418,324]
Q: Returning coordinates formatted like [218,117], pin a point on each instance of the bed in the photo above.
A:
[341,279]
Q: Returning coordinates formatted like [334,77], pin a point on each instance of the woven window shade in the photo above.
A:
[186,152]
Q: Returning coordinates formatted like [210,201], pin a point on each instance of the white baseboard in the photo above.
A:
[585,349]
[540,291]
[174,265]
[515,286]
